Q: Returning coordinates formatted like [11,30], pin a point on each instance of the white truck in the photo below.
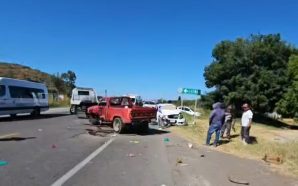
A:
[82,98]
[21,96]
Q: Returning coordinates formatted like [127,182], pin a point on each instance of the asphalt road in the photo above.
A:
[61,148]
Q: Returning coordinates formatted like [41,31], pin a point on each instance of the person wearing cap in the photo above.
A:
[228,123]
[246,121]
[216,121]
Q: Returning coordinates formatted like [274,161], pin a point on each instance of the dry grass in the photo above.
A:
[271,141]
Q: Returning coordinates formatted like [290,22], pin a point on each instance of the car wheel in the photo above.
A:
[118,125]
[73,109]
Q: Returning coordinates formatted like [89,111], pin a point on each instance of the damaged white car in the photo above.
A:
[167,115]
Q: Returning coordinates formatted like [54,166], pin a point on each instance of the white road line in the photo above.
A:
[79,166]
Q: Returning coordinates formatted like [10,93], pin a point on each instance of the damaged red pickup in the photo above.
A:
[121,113]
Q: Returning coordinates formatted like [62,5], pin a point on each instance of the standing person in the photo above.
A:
[216,120]
[246,122]
[228,123]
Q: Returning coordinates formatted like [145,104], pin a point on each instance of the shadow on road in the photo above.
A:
[17,138]
[28,117]
[104,130]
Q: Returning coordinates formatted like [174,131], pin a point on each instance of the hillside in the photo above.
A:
[57,84]
[26,73]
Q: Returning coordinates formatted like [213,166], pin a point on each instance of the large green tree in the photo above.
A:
[250,70]
[288,105]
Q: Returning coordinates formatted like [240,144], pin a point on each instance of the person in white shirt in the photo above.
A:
[246,122]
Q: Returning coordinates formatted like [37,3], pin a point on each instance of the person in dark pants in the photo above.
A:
[228,123]
[246,122]
[216,120]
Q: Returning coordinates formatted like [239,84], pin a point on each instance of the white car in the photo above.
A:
[188,111]
[169,115]
[149,104]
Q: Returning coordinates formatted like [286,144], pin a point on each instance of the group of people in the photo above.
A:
[221,120]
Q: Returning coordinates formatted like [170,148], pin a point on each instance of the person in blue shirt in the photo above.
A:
[216,120]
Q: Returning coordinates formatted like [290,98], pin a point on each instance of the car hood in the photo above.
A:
[170,112]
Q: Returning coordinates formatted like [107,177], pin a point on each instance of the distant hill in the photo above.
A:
[26,73]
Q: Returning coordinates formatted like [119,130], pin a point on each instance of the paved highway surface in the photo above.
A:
[61,149]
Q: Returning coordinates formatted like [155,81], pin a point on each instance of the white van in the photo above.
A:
[82,98]
[20,96]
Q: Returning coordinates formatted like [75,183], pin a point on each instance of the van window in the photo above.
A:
[83,93]
[24,92]
[2,90]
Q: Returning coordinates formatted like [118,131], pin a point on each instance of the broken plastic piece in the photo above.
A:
[238,181]
[166,140]
[131,155]
[190,145]
[134,141]
[40,130]
[54,146]
[3,163]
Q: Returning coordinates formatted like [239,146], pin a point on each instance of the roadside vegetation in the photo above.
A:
[268,140]
[58,84]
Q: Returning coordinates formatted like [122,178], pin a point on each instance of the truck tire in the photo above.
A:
[118,125]
[35,112]
[73,109]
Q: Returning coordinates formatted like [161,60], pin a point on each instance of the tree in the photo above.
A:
[250,70]
[70,79]
[288,105]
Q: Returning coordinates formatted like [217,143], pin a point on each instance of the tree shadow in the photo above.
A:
[259,118]
[16,138]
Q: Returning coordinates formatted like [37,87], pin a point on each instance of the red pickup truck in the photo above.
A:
[121,113]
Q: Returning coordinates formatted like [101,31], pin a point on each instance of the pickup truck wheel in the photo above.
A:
[144,128]
[118,125]
[73,109]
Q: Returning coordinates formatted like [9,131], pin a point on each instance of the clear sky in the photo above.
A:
[147,47]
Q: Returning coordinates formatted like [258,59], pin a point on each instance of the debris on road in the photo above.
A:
[190,145]
[166,140]
[179,161]
[134,141]
[8,136]
[40,130]
[238,181]
[202,156]
[3,163]
[273,159]
[114,135]
[131,155]
[183,164]
[54,146]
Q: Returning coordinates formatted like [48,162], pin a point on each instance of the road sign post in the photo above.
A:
[190,91]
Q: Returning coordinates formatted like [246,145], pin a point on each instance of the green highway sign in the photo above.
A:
[189,91]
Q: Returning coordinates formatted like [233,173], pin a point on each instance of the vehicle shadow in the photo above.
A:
[28,117]
[105,130]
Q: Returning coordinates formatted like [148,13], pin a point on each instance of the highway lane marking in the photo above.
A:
[82,164]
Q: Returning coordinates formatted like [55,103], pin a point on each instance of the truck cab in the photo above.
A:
[82,98]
